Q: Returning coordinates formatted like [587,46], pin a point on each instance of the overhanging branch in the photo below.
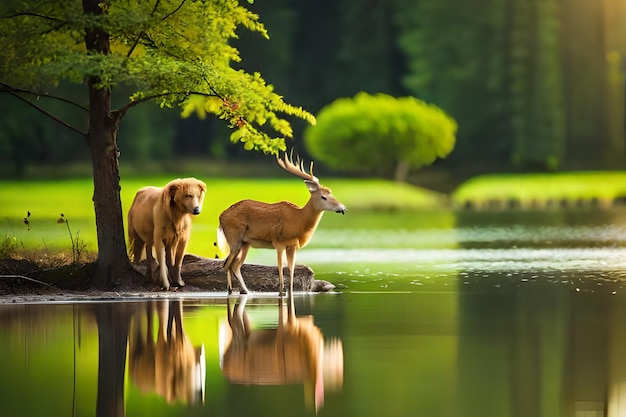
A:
[143,32]
[6,88]
[60,23]
[16,93]
[32,14]
[174,11]
[133,103]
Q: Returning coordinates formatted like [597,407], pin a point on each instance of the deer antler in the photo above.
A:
[296,169]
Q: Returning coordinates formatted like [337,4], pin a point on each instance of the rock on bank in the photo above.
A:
[206,274]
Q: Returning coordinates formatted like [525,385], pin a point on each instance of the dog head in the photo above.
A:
[186,194]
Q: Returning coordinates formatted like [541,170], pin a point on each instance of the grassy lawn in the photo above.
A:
[526,188]
[46,200]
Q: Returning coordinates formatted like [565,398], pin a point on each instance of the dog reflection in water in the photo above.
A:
[293,353]
[172,367]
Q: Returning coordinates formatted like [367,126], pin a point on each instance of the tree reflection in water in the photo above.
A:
[113,322]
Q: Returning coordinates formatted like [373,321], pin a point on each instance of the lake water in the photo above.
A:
[435,314]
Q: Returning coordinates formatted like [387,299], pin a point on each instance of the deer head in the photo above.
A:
[321,196]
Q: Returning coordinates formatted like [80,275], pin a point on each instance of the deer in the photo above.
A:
[293,352]
[282,226]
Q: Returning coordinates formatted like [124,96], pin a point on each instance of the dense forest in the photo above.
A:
[533,84]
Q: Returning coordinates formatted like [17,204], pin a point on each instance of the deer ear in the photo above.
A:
[312,186]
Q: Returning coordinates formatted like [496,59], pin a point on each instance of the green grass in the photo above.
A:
[46,200]
[604,186]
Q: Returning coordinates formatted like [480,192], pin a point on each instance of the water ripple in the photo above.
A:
[560,259]
[497,236]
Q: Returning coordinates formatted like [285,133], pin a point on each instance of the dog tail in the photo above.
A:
[223,250]
[135,245]
[131,248]
[131,243]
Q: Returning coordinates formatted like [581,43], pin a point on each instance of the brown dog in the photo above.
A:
[160,218]
[172,367]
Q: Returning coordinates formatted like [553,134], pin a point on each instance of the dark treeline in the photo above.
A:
[533,84]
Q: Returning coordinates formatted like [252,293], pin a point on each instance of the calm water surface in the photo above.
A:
[434,315]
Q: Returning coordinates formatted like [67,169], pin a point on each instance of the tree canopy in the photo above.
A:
[532,84]
[380,133]
[174,53]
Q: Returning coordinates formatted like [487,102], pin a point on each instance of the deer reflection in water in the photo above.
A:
[172,367]
[293,353]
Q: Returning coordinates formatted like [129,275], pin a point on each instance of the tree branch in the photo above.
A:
[6,88]
[26,278]
[174,11]
[133,103]
[41,110]
[54,19]
[52,29]
[143,32]
[60,22]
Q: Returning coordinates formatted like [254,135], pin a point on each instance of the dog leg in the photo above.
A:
[151,263]
[178,263]
[159,247]
[169,260]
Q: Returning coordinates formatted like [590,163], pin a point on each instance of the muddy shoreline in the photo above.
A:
[23,281]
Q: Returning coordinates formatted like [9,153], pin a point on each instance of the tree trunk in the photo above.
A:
[402,171]
[584,51]
[113,263]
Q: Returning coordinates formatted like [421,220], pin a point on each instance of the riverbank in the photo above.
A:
[23,280]
[545,191]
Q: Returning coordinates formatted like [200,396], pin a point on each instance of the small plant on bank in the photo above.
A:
[27,220]
[78,245]
[8,247]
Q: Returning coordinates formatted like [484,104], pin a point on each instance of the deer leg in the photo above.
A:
[229,285]
[237,267]
[291,262]
[232,257]
[229,280]
[281,286]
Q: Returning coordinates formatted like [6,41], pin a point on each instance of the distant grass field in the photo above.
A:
[573,186]
[46,200]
